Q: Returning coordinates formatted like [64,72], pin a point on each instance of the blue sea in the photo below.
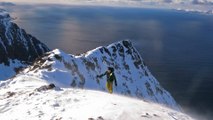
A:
[177,46]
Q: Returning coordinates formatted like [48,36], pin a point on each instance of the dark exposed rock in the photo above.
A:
[15,43]
[89,65]
[73,84]
[18,69]
[149,90]
[10,94]
[45,87]
[58,57]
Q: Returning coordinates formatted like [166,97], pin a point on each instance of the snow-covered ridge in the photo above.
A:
[134,78]
[15,43]
[19,100]
[16,46]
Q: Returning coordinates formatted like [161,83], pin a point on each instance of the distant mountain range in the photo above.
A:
[7,4]
[201,6]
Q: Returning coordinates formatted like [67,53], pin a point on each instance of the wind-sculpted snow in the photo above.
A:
[134,78]
[19,100]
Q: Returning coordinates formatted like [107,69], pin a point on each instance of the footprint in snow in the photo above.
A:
[62,110]
[98,118]
[91,119]
[55,105]
[114,103]
[40,114]
[59,118]
[28,112]
[56,118]
[146,115]
[76,100]
[156,115]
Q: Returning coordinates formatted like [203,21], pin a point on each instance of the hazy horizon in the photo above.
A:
[186,5]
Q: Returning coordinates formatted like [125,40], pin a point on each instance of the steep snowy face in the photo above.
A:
[133,77]
[17,48]
[15,43]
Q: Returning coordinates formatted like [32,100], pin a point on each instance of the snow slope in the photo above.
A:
[133,77]
[18,100]
[10,71]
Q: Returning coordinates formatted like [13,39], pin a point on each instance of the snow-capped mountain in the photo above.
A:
[133,77]
[19,100]
[6,4]
[17,48]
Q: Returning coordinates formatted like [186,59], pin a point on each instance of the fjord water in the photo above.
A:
[176,46]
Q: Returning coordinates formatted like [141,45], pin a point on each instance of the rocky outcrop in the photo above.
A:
[16,44]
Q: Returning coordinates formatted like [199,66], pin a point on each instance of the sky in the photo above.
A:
[209,2]
[35,1]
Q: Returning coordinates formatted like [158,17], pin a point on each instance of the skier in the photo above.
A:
[110,78]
